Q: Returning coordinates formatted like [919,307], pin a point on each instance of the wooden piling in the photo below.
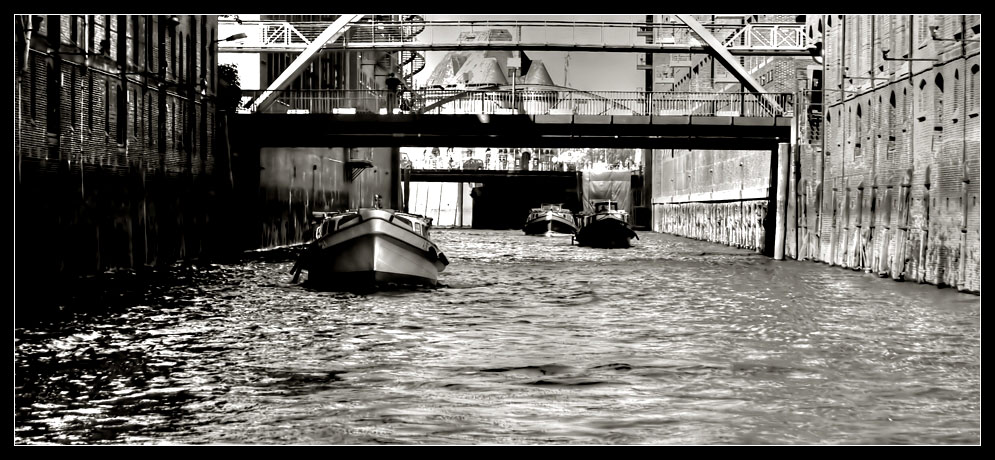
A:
[783,157]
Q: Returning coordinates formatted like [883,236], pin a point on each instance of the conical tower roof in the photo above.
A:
[484,72]
[448,69]
[537,75]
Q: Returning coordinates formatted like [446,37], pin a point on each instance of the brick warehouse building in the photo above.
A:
[117,157]
[893,185]
[902,165]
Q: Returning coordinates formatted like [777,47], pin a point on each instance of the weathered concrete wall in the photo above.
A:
[296,181]
[717,196]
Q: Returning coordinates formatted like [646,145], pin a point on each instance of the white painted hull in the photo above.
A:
[373,251]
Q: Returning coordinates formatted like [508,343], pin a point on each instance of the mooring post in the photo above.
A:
[783,157]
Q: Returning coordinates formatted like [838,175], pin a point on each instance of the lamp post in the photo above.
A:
[232,38]
[514,63]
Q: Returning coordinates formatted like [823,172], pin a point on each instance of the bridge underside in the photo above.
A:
[438,130]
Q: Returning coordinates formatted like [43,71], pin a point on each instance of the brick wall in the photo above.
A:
[907,142]
[77,181]
[897,189]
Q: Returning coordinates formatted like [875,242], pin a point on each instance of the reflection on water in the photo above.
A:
[529,340]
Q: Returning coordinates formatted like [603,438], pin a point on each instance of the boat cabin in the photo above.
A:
[333,222]
[605,206]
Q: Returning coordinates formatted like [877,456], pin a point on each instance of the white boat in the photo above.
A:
[550,219]
[371,247]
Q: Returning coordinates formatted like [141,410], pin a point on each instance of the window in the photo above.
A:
[148,119]
[134,107]
[922,30]
[107,106]
[972,90]
[904,113]
[54,99]
[90,32]
[938,102]
[72,96]
[135,48]
[858,138]
[179,70]
[172,123]
[89,105]
[172,51]
[105,44]
[955,106]
[891,124]
[121,114]
[74,29]
[34,87]
[149,44]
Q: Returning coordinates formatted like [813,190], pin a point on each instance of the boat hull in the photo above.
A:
[555,224]
[371,253]
[606,233]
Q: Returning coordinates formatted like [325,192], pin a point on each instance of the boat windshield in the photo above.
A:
[605,206]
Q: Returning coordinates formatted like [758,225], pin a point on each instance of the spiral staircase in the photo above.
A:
[409,62]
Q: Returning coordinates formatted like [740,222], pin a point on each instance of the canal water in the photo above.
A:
[529,340]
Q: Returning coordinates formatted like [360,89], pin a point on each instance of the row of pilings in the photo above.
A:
[738,223]
[892,225]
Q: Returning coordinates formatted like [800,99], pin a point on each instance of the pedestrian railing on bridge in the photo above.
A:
[529,100]
[393,33]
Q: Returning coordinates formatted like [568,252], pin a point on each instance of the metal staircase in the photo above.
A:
[410,62]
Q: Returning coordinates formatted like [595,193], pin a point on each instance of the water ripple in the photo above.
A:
[527,340]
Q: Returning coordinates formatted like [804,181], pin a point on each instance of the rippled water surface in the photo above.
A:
[529,340]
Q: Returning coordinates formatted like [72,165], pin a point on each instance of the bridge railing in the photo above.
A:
[531,101]
[383,32]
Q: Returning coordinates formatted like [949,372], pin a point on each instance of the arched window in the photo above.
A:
[973,102]
[859,133]
[938,114]
[904,115]
[134,36]
[135,107]
[955,105]
[89,105]
[839,131]
[920,108]
[922,30]
[892,110]
[72,95]
[107,107]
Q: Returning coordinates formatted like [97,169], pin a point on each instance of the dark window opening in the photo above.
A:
[72,97]
[89,105]
[90,32]
[107,106]
[34,87]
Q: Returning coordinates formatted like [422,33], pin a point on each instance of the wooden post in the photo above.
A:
[406,174]
[783,157]
[459,203]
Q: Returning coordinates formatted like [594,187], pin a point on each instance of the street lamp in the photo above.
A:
[237,36]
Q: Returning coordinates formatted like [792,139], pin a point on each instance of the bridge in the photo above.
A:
[533,117]
[484,175]
[722,41]
[371,33]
